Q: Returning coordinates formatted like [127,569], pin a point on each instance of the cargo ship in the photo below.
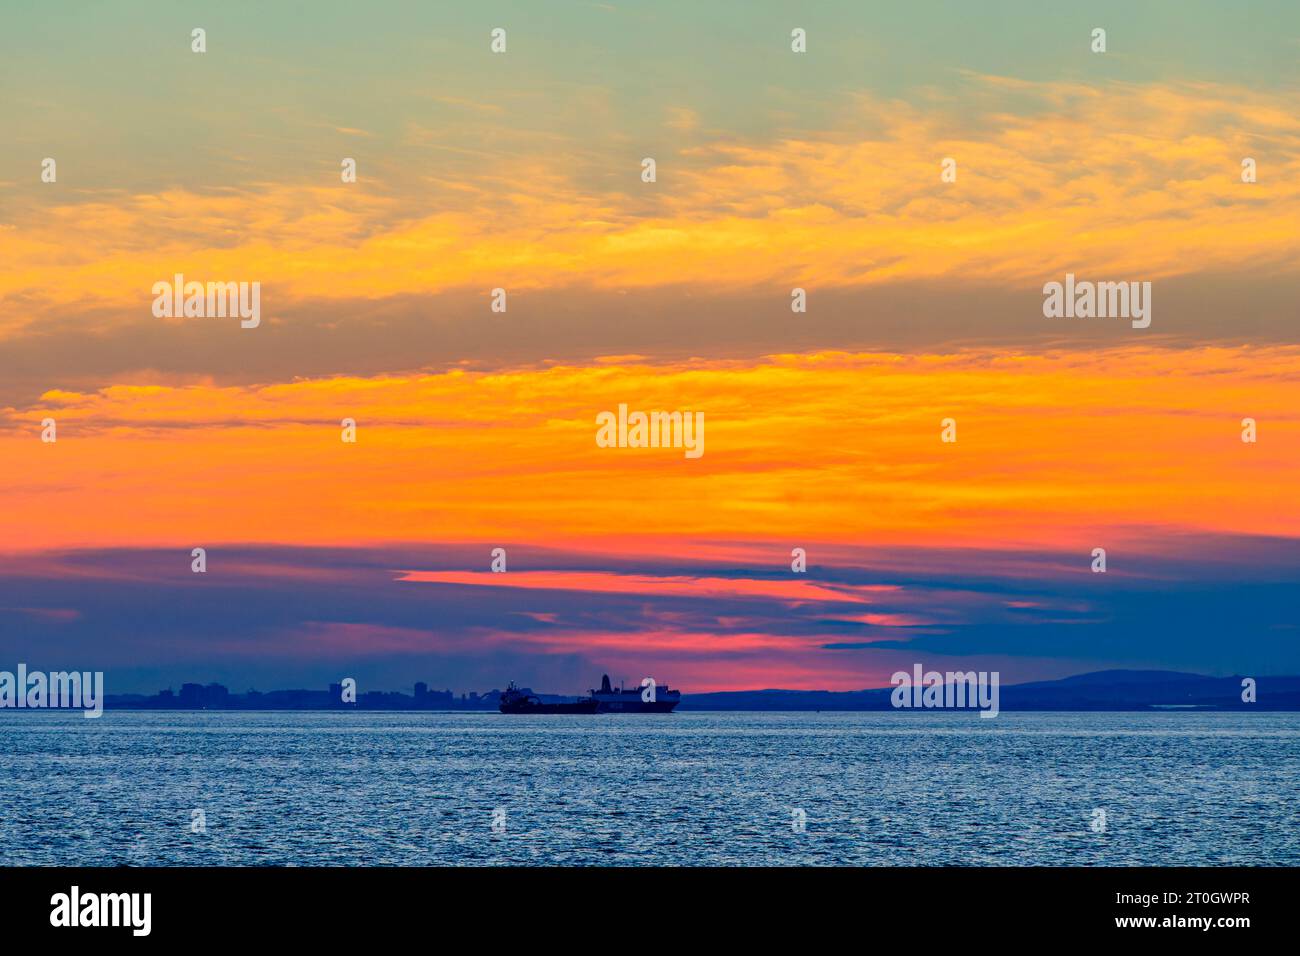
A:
[515,700]
[650,699]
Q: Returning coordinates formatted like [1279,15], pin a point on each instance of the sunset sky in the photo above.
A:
[476,429]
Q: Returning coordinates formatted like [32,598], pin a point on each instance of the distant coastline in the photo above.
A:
[1115,690]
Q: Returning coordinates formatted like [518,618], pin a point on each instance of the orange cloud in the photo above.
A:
[1058,448]
[1125,180]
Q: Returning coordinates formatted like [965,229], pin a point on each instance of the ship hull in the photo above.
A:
[635,705]
[529,707]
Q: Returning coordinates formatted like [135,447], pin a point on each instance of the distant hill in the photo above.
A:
[1101,690]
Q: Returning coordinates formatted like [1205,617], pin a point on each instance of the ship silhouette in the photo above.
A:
[651,699]
[517,700]
[647,699]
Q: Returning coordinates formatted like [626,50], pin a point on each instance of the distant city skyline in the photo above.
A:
[1107,691]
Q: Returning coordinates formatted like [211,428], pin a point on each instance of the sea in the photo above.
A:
[752,789]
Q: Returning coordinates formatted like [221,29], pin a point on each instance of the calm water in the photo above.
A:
[877,789]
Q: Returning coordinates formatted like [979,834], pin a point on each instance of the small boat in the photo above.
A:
[515,700]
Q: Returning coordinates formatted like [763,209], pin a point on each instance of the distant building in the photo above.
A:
[433,699]
[198,696]
[214,696]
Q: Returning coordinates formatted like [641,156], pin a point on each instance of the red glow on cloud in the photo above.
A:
[606,582]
